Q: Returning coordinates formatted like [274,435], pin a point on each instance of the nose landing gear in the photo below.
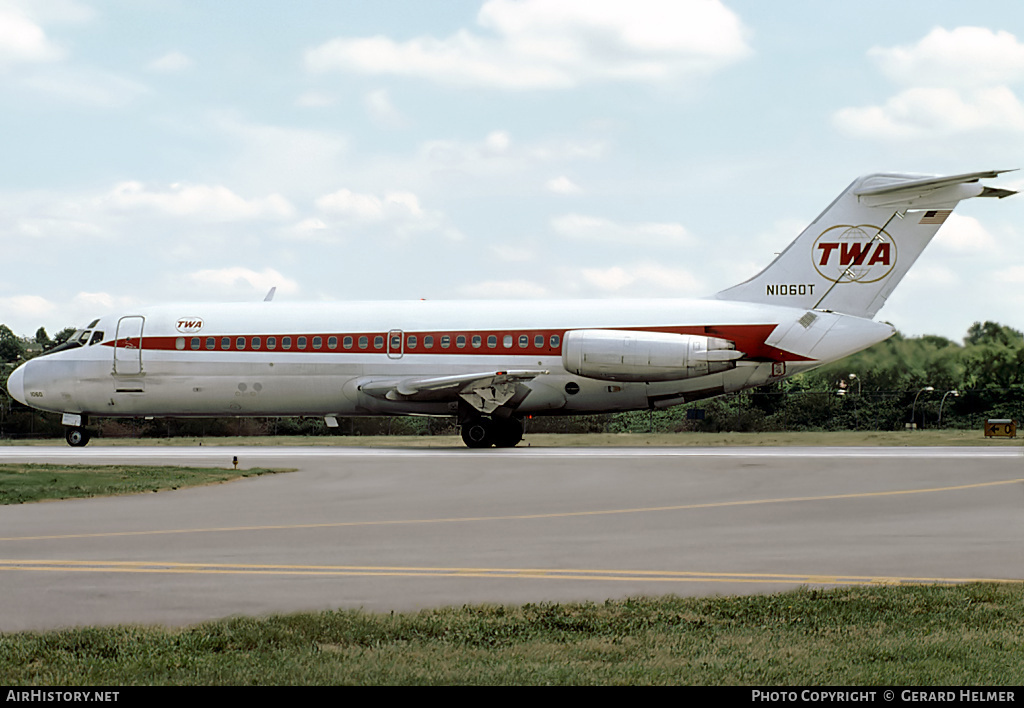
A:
[77,437]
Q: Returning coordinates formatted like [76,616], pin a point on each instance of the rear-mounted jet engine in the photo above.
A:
[623,355]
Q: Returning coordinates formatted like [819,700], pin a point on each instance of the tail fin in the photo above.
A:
[853,255]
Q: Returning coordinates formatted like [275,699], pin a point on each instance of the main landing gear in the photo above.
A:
[480,432]
[77,437]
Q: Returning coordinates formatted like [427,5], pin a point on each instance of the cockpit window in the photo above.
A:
[81,338]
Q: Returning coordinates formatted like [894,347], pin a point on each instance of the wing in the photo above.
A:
[486,391]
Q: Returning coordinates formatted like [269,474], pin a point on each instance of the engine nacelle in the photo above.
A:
[620,355]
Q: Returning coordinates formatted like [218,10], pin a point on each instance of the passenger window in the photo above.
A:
[492,341]
[428,342]
[255,342]
[411,341]
[477,341]
[396,342]
[347,342]
[364,342]
[302,343]
[460,341]
[506,341]
[332,342]
[240,342]
[524,341]
[378,342]
[286,342]
[195,343]
[225,342]
[271,342]
[554,341]
[538,341]
[446,341]
[211,343]
[179,343]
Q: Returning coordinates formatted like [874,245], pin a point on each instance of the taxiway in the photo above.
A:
[390,529]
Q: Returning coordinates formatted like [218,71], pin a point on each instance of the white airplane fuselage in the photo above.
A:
[233,359]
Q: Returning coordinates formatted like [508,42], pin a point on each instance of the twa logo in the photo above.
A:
[189,325]
[854,254]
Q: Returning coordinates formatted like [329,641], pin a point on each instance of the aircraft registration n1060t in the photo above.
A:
[490,363]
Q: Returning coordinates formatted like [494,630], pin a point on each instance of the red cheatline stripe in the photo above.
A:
[749,339]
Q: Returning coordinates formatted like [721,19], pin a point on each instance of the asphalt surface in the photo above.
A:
[407,529]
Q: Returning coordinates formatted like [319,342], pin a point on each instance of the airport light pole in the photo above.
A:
[955,393]
[913,408]
[853,377]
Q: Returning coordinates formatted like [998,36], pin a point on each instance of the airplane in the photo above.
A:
[490,363]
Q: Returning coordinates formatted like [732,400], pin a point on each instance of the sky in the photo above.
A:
[158,151]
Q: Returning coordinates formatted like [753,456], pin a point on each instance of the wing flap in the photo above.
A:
[406,388]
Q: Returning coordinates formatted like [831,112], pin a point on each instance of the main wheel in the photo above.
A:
[476,433]
[77,437]
[507,433]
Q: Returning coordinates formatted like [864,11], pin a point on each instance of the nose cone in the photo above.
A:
[16,385]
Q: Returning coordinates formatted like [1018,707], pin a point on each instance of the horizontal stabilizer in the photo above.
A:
[898,192]
[929,183]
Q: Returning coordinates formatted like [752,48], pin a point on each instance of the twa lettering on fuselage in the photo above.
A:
[189,325]
[854,254]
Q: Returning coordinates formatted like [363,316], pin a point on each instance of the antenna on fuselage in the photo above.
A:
[270,294]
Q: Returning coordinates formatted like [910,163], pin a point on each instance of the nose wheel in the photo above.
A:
[77,437]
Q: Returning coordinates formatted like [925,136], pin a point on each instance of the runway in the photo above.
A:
[404,529]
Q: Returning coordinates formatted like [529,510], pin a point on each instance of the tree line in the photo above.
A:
[930,381]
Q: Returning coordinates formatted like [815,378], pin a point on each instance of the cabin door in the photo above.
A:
[128,346]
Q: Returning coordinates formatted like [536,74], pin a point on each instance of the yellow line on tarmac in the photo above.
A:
[523,517]
[493,573]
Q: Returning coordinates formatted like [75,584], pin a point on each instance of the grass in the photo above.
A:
[22,483]
[932,635]
[926,438]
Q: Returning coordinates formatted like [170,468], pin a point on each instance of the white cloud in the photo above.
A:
[642,280]
[394,213]
[22,40]
[562,185]
[379,106]
[1013,275]
[368,207]
[963,57]
[27,306]
[196,201]
[958,83]
[85,86]
[935,112]
[592,228]
[965,235]
[171,63]
[932,277]
[243,281]
[311,159]
[538,44]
